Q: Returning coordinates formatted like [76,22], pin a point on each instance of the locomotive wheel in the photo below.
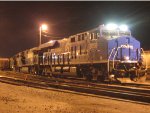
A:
[85,72]
[88,77]
[100,78]
[143,78]
[43,73]
[51,74]
[79,74]
[134,78]
[138,79]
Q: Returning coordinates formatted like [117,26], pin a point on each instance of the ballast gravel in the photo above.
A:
[23,99]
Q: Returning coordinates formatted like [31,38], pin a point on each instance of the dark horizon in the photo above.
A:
[19,21]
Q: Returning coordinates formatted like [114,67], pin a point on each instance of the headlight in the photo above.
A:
[126,57]
[111,26]
[123,27]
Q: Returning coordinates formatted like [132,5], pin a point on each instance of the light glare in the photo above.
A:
[111,26]
[126,57]
[123,27]
[51,41]
[44,27]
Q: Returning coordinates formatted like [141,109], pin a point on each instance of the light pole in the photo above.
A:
[43,27]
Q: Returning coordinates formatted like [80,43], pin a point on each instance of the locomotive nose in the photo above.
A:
[127,48]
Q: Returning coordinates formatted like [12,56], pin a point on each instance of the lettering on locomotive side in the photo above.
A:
[127,46]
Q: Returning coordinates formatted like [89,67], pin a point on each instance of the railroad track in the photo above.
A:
[80,81]
[118,92]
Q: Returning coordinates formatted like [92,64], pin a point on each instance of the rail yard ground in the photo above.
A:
[23,99]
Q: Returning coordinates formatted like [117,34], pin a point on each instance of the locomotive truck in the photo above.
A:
[107,52]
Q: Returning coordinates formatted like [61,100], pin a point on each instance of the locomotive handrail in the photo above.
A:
[115,54]
[109,59]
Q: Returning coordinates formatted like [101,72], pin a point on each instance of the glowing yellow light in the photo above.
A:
[44,27]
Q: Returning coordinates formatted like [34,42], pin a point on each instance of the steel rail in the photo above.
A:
[83,89]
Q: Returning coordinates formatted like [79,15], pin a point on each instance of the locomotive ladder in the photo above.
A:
[109,59]
[113,57]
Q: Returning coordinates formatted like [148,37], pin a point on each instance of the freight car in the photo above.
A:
[146,60]
[4,64]
[107,52]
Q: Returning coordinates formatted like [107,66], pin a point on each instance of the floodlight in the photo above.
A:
[44,27]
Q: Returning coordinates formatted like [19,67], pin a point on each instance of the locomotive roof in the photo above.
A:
[48,44]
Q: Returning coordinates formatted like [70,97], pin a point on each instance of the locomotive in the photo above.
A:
[107,52]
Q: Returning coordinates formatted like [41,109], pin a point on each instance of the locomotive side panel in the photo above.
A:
[103,49]
[135,50]
[78,48]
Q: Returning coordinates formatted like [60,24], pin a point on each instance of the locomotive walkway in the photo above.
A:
[124,93]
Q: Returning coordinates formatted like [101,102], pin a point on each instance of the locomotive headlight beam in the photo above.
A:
[111,26]
[123,27]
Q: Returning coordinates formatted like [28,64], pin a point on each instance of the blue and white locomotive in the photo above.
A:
[104,53]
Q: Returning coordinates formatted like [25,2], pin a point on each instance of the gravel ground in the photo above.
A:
[22,99]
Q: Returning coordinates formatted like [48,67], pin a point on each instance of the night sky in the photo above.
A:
[20,21]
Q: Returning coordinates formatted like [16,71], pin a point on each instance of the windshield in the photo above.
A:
[109,33]
[115,33]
